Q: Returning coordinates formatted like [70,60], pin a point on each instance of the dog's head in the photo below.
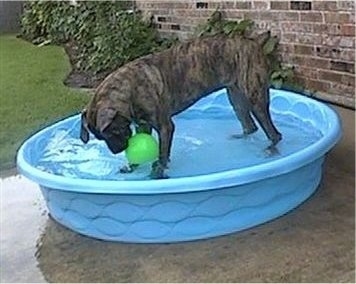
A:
[109,126]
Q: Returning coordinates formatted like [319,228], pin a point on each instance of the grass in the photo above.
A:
[32,94]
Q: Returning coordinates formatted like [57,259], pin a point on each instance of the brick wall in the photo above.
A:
[317,37]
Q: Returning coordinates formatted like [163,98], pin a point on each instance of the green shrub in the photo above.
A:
[105,33]
[47,20]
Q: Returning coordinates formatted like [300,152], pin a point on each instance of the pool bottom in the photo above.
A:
[202,145]
[166,218]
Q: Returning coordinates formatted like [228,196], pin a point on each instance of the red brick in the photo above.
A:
[343,66]
[234,14]
[337,41]
[339,17]
[168,5]
[330,76]
[279,5]
[288,37]
[286,48]
[308,38]
[311,17]
[317,85]
[319,62]
[253,15]
[188,13]
[296,27]
[296,60]
[315,62]
[260,5]
[221,5]
[311,73]
[346,5]
[342,89]
[205,12]
[185,13]
[348,80]
[268,16]
[182,20]
[157,11]
[187,28]
[288,16]
[304,49]
[242,5]
[325,5]
[347,42]
[347,55]
[181,5]
[348,30]
[299,79]
[330,29]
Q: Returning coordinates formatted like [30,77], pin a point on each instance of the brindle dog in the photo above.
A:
[150,90]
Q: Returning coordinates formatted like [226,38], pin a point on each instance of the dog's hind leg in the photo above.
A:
[262,113]
[242,108]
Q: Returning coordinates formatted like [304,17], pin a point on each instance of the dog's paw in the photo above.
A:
[157,171]
[127,169]
[271,151]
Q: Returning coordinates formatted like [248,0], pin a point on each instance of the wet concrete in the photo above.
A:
[313,243]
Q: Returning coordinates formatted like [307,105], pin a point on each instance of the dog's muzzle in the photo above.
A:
[116,148]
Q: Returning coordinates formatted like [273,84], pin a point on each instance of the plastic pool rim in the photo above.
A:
[194,183]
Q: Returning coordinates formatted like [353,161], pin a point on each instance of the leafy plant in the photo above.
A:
[46,21]
[217,25]
[106,34]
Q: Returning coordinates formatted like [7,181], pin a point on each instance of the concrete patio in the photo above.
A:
[313,243]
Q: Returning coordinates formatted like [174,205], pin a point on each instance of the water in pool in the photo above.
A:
[200,146]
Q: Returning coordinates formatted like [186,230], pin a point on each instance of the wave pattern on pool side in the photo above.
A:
[178,217]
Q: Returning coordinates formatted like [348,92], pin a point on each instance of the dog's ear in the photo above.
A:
[104,117]
[84,133]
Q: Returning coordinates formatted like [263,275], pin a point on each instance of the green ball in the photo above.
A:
[143,148]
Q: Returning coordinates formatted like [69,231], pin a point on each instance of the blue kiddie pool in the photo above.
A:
[217,185]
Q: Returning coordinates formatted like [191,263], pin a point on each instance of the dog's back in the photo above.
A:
[181,75]
[194,68]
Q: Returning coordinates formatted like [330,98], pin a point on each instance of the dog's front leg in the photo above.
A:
[165,132]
